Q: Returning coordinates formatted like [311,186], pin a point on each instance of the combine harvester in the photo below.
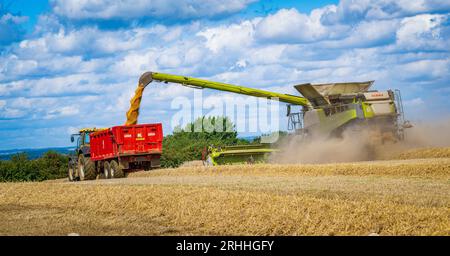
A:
[325,110]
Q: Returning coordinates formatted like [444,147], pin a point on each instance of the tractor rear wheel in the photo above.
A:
[86,168]
[116,170]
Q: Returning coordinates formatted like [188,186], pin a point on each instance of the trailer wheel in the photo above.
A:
[86,168]
[101,170]
[116,170]
[106,174]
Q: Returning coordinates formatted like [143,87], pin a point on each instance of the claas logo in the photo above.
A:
[378,94]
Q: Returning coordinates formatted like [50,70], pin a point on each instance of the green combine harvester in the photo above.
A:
[325,110]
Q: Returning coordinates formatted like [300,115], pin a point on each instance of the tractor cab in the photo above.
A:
[83,140]
[82,151]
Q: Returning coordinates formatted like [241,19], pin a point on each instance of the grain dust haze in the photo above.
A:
[360,145]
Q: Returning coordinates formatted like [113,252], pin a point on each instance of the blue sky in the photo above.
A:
[67,64]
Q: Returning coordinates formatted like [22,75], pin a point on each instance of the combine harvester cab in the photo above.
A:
[338,106]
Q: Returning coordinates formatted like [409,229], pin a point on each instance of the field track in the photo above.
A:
[394,197]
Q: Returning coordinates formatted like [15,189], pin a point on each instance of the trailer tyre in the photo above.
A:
[102,174]
[86,168]
[116,170]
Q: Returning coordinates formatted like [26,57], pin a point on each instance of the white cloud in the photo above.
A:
[11,113]
[349,11]
[14,65]
[367,34]
[135,63]
[10,27]
[33,103]
[423,70]
[53,86]
[65,69]
[414,102]
[289,25]
[62,112]
[128,9]
[85,40]
[8,17]
[423,32]
[234,37]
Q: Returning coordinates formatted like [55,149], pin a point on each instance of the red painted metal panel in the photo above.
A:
[138,139]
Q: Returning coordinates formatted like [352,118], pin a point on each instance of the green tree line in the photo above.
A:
[51,165]
[188,143]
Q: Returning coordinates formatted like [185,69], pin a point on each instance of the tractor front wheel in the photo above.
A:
[86,168]
[71,172]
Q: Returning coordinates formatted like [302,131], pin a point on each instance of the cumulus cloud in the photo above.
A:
[350,11]
[62,112]
[423,70]
[132,9]
[232,37]
[367,34]
[291,26]
[89,40]
[414,102]
[426,31]
[10,27]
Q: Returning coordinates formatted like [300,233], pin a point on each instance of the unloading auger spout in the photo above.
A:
[135,103]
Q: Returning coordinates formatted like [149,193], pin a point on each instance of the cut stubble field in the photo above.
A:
[393,197]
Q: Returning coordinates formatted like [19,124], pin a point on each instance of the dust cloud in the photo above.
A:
[355,146]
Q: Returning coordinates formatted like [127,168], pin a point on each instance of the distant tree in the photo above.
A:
[51,165]
[187,144]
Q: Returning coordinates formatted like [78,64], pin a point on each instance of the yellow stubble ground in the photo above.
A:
[396,197]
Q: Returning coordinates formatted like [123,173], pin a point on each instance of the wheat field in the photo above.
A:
[393,197]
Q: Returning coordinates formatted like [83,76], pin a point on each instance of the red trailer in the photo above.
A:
[120,149]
